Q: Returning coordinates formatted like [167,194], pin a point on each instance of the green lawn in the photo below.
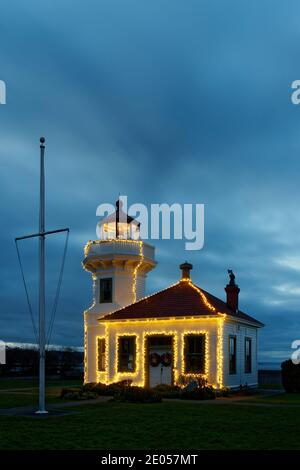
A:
[166,426]
[12,384]
[30,397]
[271,387]
[14,392]
[280,398]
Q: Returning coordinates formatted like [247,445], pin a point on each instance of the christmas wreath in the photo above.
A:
[166,359]
[154,359]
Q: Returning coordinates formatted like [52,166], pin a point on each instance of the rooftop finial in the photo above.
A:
[42,141]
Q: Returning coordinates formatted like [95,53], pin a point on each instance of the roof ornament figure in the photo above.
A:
[232,277]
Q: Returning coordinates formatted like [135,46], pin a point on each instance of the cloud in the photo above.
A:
[290,262]
[288,289]
[181,102]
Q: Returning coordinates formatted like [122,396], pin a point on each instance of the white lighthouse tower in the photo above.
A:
[119,264]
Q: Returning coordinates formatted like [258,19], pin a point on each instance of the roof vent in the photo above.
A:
[185,269]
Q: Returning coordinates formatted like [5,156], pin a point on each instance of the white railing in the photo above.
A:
[99,248]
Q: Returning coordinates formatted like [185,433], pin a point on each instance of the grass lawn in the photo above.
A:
[15,392]
[162,426]
[166,426]
[270,386]
[30,397]
[12,384]
[280,398]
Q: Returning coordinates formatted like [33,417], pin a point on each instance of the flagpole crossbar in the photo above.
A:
[50,232]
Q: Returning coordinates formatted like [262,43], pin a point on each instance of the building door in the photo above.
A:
[160,359]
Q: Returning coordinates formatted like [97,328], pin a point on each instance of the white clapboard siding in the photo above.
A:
[241,331]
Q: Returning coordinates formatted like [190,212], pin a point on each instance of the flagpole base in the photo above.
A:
[41,412]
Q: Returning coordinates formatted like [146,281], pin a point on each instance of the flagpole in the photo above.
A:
[42,409]
[41,235]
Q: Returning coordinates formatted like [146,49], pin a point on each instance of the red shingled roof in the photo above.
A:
[180,300]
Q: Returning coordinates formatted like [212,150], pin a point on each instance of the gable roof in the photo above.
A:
[183,299]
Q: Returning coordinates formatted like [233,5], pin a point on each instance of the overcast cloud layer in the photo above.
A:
[164,101]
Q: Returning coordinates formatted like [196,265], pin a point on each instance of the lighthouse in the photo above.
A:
[170,337]
[119,263]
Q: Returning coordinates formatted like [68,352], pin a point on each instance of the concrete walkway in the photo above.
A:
[54,409]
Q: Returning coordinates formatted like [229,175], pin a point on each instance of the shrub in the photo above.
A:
[223,392]
[167,391]
[88,386]
[188,380]
[203,393]
[103,389]
[67,391]
[195,387]
[117,387]
[135,394]
[290,376]
[77,394]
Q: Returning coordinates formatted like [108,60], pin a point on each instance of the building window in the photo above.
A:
[248,356]
[194,354]
[127,353]
[106,290]
[232,354]
[101,354]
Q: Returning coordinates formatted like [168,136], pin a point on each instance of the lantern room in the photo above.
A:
[119,225]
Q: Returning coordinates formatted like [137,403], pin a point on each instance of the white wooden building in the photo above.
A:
[179,332]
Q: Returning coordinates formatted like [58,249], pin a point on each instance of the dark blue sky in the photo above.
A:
[165,101]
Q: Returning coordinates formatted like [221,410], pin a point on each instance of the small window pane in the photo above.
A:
[248,355]
[194,347]
[127,354]
[106,290]
[101,354]
[232,355]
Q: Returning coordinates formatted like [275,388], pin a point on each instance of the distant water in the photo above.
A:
[269,365]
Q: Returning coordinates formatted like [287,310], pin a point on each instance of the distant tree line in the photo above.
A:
[20,361]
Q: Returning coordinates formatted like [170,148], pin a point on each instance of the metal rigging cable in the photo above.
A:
[27,295]
[55,303]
